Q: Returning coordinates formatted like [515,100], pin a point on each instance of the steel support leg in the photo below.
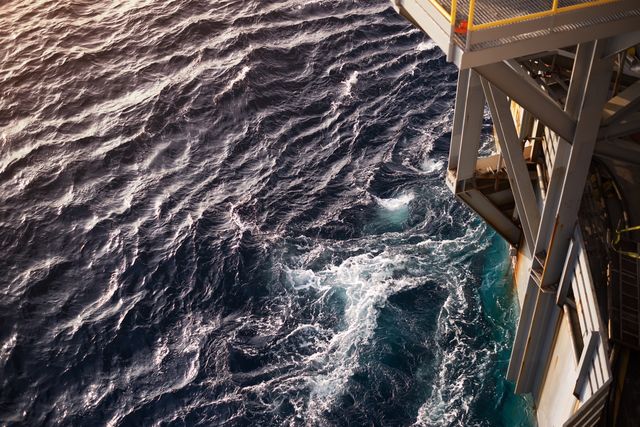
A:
[582,148]
[458,118]
[472,125]
[563,203]
[558,173]
[575,98]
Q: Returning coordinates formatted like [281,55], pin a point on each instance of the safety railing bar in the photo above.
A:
[454,12]
[441,9]
[554,10]
[472,11]
[471,26]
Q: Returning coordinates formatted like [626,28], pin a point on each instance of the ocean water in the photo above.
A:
[234,213]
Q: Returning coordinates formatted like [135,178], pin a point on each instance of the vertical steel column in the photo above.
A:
[471,128]
[533,293]
[458,118]
[584,141]
[575,97]
[570,171]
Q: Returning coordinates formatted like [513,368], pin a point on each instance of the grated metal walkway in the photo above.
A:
[487,11]
[491,15]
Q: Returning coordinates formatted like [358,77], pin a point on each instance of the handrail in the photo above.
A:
[441,9]
[618,237]
[472,11]
[454,12]
[555,9]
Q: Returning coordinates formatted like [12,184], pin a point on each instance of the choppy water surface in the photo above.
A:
[234,213]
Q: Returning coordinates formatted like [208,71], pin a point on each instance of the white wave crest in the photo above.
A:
[396,203]
[430,165]
[7,348]
[426,45]
[348,84]
[237,79]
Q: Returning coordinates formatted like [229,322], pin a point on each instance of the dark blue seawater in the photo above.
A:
[234,213]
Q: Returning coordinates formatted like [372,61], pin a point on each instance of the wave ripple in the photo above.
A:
[233,213]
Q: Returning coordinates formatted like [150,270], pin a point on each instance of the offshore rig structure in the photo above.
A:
[561,79]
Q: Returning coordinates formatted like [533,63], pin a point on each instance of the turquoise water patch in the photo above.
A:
[393,213]
[501,311]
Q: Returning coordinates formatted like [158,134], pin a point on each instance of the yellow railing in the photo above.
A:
[554,9]
[616,242]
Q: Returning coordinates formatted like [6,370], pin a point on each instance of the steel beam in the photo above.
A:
[579,77]
[426,17]
[619,149]
[629,126]
[522,333]
[540,338]
[491,214]
[584,365]
[584,141]
[481,56]
[567,274]
[472,113]
[591,410]
[458,119]
[527,93]
[622,105]
[517,171]
[591,75]
[621,42]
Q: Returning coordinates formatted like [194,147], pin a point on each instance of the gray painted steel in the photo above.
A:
[527,93]
[572,127]
[517,171]
[487,210]
[565,280]
[472,125]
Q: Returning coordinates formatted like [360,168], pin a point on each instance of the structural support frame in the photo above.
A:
[526,92]
[517,171]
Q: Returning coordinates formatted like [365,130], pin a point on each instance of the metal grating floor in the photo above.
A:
[487,11]
[557,29]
